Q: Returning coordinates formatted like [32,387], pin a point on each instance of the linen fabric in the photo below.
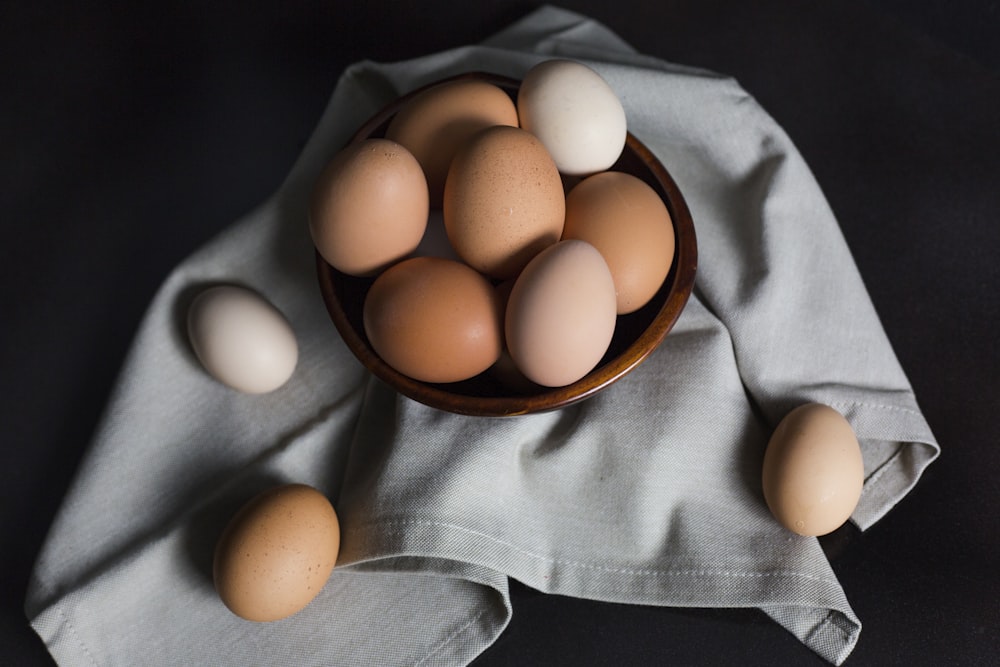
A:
[648,493]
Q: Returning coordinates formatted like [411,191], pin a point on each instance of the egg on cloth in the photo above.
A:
[369,207]
[277,553]
[813,470]
[439,120]
[241,339]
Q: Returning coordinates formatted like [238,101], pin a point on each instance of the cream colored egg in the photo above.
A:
[575,113]
[813,470]
[241,339]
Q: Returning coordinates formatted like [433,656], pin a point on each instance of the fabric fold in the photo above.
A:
[648,493]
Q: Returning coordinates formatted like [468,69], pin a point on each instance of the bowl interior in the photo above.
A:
[636,334]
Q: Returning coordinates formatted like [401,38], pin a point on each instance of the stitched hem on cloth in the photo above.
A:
[833,636]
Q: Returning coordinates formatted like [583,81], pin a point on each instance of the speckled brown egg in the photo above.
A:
[434,319]
[503,201]
[624,218]
[813,470]
[277,553]
[437,121]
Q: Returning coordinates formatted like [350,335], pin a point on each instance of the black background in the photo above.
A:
[131,134]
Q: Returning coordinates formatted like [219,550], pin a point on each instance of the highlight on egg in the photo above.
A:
[277,552]
[813,471]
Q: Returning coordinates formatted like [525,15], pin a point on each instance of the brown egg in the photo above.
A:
[561,314]
[503,201]
[277,553]
[628,222]
[813,470]
[369,207]
[436,122]
[434,319]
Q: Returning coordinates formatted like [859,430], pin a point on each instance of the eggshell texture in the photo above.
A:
[813,470]
[436,122]
[241,339]
[503,201]
[369,207]
[434,319]
[561,314]
[575,113]
[277,553]
[629,224]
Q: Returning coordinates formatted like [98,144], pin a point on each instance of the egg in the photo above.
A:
[241,339]
[369,207]
[277,553]
[439,120]
[575,113]
[503,201]
[561,314]
[627,221]
[813,470]
[434,319]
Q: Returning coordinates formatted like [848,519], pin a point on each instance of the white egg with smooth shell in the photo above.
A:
[241,339]
[576,115]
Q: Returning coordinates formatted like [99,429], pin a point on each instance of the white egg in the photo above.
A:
[574,113]
[241,339]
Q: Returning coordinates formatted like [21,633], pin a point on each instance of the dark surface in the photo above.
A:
[129,137]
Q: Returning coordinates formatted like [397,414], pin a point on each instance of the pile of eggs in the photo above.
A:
[541,245]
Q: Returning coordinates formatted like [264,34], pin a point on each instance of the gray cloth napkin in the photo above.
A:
[648,493]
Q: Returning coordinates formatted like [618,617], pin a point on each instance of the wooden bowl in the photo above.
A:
[636,334]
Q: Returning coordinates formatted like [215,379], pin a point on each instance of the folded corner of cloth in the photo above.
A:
[648,493]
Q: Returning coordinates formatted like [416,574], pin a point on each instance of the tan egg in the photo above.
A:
[503,201]
[436,122]
[813,470]
[561,314]
[369,207]
[624,218]
[434,319]
[277,553]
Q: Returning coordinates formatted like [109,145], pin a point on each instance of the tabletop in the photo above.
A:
[132,135]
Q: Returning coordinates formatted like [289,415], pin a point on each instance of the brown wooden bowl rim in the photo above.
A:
[683,270]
